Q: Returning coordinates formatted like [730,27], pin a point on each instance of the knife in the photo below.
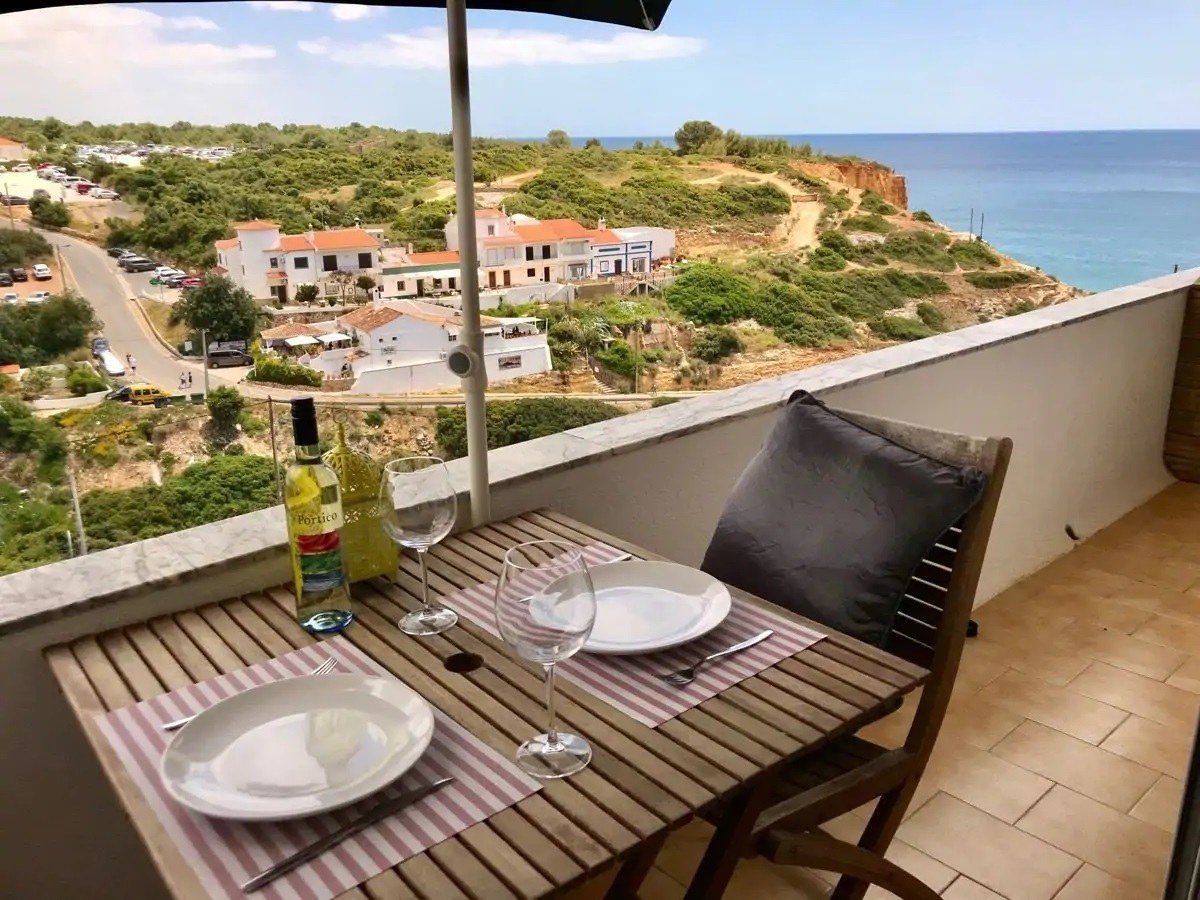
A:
[376,813]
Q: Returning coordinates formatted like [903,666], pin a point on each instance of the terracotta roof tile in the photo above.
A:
[490,213]
[566,229]
[604,236]
[229,244]
[432,257]
[370,317]
[344,239]
[289,330]
[256,225]
[291,243]
[538,232]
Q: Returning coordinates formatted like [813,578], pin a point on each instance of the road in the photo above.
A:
[97,278]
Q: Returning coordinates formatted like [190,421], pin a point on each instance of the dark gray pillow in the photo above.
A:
[830,520]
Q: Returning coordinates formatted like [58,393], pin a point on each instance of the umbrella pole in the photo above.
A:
[475,384]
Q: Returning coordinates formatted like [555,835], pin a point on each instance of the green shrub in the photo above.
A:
[167,460]
[35,334]
[271,369]
[839,243]
[235,449]
[513,421]
[663,401]
[873,223]
[22,432]
[17,248]
[931,316]
[838,203]
[620,358]
[373,419]
[711,294]
[824,259]
[34,383]
[873,203]
[919,248]
[922,216]
[84,380]
[897,328]
[225,407]
[49,213]
[716,342]
[973,255]
[253,425]
[997,280]
[1021,306]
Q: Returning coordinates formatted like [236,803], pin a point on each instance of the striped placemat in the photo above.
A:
[631,683]
[227,854]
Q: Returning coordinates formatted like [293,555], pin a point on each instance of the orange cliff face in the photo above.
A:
[867,176]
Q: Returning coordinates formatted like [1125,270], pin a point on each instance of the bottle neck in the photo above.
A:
[308,453]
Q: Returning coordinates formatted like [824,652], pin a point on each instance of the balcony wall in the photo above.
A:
[1082,388]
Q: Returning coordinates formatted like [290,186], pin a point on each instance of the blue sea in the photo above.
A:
[1099,209]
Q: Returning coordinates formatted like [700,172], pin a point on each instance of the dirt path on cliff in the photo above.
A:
[798,229]
[444,190]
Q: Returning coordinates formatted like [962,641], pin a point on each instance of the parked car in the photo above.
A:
[164,272]
[220,359]
[70,180]
[175,281]
[23,167]
[38,297]
[189,283]
[11,298]
[138,264]
[41,272]
[5,280]
[13,200]
[18,274]
[101,193]
[138,393]
[129,258]
[85,187]
[118,252]
[99,345]
[40,194]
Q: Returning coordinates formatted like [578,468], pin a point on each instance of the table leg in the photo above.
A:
[635,869]
[728,841]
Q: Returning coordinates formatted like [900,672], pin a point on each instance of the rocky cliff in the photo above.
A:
[868,176]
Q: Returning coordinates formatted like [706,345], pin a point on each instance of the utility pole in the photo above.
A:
[981,224]
[204,343]
[972,221]
[75,506]
[637,357]
[274,452]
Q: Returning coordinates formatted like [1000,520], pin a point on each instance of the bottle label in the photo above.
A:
[320,558]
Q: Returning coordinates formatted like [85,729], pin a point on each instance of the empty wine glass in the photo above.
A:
[419,508]
[545,610]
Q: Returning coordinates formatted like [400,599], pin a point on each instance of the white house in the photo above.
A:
[270,264]
[520,250]
[400,347]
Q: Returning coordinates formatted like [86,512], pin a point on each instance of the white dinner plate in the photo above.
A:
[297,747]
[642,606]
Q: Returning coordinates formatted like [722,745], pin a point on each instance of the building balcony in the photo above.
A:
[1059,769]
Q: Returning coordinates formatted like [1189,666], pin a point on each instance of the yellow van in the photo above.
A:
[145,393]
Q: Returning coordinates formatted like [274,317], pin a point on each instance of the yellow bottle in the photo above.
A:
[312,502]
[366,550]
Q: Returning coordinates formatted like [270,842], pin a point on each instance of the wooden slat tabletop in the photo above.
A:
[642,781]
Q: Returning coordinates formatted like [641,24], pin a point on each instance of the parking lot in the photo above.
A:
[23,184]
[24,288]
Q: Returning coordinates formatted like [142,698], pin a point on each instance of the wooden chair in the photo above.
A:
[929,631]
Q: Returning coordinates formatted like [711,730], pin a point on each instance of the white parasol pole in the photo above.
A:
[475,384]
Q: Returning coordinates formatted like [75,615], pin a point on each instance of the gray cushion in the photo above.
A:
[830,520]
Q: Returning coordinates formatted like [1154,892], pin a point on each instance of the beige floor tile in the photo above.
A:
[1090,883]
[920,865]
[1148,698]
[1151,744]
[966,889]
[1119,649]
[1172,632]
[990,852]
[1081,766]
[1084,718]
[1096,608]
[1160,805]
[984,780]
[681,853]
[973,720]
[1121,845]
[756,878]
[660,886]
[1187,676]
[1043,654]
[1173,573]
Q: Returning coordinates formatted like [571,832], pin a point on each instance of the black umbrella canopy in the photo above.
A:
[646,14]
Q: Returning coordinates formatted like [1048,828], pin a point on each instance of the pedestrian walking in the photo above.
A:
[183,381]
[189,378]
[132,364]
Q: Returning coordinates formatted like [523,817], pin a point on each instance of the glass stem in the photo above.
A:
[552,742]
[424,577]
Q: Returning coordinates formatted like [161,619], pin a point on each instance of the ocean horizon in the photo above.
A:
[1097,209]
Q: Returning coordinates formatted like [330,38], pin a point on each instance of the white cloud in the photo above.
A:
[190,23]
[495,47]
[350,12]
[283,5]
[135,64]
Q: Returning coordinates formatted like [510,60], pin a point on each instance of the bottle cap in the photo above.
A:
[304,422]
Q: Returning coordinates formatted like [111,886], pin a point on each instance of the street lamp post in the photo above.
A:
[204,344]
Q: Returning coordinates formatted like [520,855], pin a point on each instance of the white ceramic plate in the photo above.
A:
[297,747]
[644,606]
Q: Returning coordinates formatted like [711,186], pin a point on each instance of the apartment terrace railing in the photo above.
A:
[1083,388]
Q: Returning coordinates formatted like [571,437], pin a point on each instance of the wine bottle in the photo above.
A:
[313,503]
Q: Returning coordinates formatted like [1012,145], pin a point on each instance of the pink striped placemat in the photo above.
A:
[226,854]
[631,683]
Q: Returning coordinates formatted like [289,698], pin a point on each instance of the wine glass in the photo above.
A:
[419,508]
[545,610]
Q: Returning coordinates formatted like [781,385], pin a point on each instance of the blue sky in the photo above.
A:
[760,66]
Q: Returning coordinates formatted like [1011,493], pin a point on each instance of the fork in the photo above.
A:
[323,669]
[687,676]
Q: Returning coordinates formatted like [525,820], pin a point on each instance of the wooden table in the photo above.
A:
[642,783]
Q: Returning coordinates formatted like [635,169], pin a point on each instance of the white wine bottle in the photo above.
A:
[313,503]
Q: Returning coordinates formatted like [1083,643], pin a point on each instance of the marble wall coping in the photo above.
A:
[47,592]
